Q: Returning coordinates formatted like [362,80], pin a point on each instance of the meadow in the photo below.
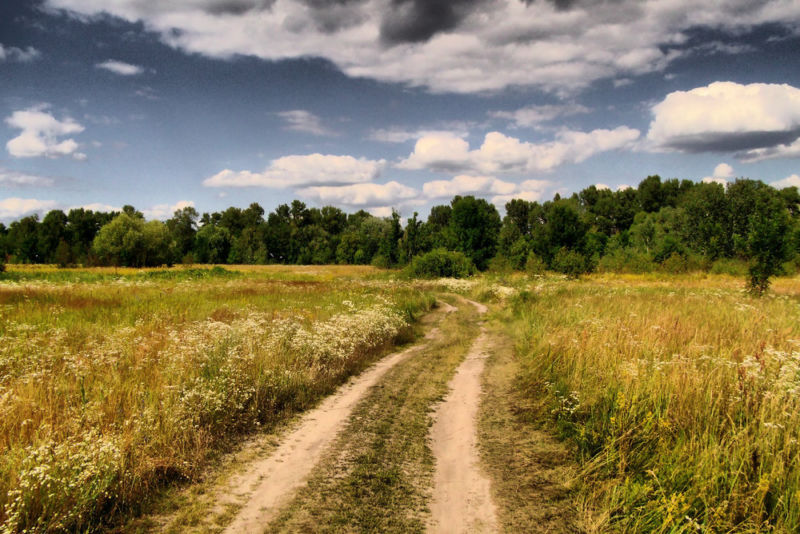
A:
[678,395]
[117,382]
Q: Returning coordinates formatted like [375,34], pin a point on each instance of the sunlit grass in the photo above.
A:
[681,395]
[116,381]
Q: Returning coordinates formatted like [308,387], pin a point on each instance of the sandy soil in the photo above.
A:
[462,494]
[272,481]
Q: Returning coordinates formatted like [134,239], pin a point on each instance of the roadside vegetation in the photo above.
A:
[113,384]
[678,395]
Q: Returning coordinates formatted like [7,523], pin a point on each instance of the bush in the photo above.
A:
[625,260]
[500,265]
[569,262]
[729,266]
[440,263]
[534,265]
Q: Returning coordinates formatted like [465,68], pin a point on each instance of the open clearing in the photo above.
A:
[335,400]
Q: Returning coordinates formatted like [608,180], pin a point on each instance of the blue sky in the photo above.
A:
[377,104]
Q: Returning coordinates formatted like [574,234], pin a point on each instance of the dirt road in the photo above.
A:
[271,482]
[462,498]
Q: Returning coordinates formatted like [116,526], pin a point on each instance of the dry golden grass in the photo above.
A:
[115,382]
[680,393]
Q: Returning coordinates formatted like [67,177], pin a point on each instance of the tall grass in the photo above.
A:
[681,396]
[114,384]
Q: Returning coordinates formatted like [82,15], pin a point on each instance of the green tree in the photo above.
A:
[475,225]
[183,227]
[52,231]
[768,240]
[130,241]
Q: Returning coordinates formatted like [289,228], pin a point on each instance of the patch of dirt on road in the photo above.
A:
[462,500]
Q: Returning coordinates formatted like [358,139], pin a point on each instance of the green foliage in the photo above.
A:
[475,225]
[569,262]
[767,242]
[132,242]
[534,265]
[440,263]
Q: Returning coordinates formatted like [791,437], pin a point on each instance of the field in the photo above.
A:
[634,403]
[115,382]
[679,396]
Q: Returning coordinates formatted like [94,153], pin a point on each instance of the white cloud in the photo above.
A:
[721,175]
[499,191]
[749,119]
[13,208]
[12,53]
[502,154]
[296,171]
[380,211]
[789,181]
[99,206]
[9,178]
[301,120]
[165,211]
[533,116]
[361,195]
[467,185]
[120,67]
[475,46]
[530,196]
[40,135]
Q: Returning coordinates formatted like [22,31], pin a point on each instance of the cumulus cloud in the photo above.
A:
[499,191]
[13,208]
[789,181]
[40,135]
[503,154]
[467,185]
[783,150]
[448,45]
[165,211]
[296,171]
[361,195]
[533,116]
[12,53]
[301,120]
[9,178]
[120,67]
[721,175]
[99,206]
[754,120]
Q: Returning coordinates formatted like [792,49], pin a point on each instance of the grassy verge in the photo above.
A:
[379,473]
[110,390]
[679,395]
[529,468]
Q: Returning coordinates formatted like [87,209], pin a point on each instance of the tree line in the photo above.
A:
[662,224]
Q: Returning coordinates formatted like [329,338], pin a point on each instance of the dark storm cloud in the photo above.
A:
[732,142]
[414,21]
[330,16]
[236,7]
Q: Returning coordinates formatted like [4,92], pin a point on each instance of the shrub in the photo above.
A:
[625,260]
[500,265]
[569,262]
[440,263]
[729,266]
[534,265]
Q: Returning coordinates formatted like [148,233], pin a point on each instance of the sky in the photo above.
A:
[382,104]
